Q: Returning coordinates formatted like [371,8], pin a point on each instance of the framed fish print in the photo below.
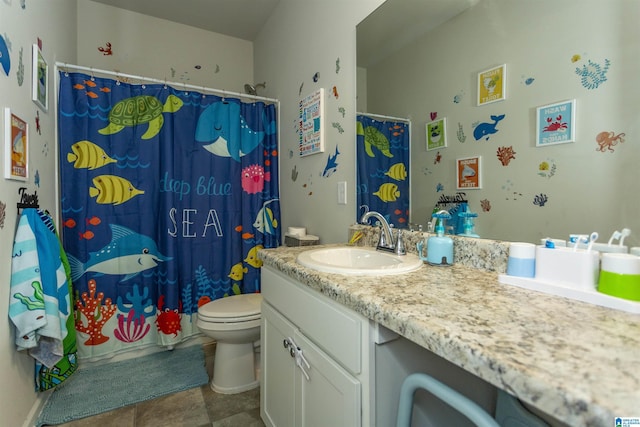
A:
[492,85]
[436,134]
[556,123]
[469,173]
[16,152]
[40,85]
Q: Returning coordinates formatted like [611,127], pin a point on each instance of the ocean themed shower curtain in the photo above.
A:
[166,197]
[382,158]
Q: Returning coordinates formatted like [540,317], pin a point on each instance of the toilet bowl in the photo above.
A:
[234,322]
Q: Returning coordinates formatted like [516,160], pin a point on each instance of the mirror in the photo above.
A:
[534,170]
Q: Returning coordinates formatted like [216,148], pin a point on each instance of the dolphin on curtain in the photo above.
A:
[128,253]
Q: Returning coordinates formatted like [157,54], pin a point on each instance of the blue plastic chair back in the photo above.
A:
[462,404]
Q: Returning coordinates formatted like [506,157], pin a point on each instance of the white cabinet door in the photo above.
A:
[331,396]
[277,386]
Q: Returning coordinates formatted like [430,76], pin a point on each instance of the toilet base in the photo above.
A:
[234,368]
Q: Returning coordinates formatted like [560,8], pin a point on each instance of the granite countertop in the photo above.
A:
[578,362]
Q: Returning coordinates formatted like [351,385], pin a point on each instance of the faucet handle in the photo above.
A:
[399,248]
[382,242]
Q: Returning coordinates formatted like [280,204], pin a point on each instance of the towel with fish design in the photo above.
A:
[39,297]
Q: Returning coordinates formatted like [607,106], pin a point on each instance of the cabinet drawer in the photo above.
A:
[332,327]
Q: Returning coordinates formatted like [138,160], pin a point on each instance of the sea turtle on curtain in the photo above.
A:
[138,110]
[373,137]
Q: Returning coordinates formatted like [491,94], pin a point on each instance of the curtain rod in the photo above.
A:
[380,116]
[224,93]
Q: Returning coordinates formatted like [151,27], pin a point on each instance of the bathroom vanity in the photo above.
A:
[574,361]
[315,359]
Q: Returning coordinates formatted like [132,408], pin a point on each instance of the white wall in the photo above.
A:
[54,22]
[591,190]
[151,47]
[303,37]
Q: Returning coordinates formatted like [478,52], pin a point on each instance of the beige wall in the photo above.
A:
[151,47]
[54,22]
[301,38]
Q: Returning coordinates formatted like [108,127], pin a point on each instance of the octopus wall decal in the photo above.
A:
[607,140]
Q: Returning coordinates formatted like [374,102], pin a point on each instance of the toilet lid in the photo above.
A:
[236,306]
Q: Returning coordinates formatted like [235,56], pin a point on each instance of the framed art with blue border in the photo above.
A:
[556,123]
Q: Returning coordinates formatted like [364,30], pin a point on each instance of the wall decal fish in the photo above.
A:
[332,164]
[484,130]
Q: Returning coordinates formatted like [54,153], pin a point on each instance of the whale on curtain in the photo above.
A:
[223,125]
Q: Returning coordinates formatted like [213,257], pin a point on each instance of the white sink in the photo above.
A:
[358,261]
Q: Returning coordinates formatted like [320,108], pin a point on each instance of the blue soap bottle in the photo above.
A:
[440,247]
[468,227]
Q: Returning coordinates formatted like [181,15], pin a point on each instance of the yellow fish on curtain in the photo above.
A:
[39,299]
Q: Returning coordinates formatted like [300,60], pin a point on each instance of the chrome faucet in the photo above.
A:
[386,241]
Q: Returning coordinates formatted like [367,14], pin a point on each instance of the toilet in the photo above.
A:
[234,322]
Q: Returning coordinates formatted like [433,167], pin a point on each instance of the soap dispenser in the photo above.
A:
[468,227]
[440,247]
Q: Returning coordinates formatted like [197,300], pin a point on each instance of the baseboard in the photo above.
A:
[34,413]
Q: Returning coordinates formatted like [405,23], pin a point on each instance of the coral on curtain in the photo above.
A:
[167,195]
[382,156]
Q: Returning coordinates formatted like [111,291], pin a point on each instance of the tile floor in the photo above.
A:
[197,407]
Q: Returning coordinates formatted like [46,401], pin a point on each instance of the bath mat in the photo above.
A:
[99,389]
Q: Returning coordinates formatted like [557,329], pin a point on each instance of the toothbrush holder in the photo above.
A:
[522,259]
[620,276]
[572,268]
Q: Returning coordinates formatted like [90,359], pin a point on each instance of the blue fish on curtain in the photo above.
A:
[167,195]
[382,155]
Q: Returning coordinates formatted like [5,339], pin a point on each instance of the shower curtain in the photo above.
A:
[167,195]
[382,155]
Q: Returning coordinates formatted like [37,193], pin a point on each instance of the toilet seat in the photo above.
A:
[233,309]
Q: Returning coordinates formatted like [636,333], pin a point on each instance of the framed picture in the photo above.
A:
[469,173]
[312,123]
[436,134]
[492,85]
[40,86]
[16,152]
[556,123]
